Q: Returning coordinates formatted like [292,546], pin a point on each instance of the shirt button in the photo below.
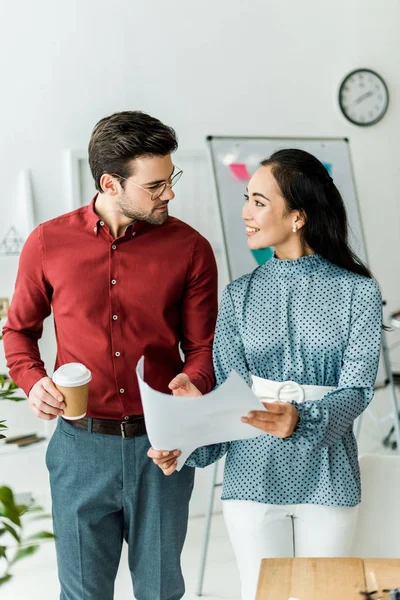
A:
[95,229]
[118,354]
[114,247]
[115,317]
[133,232]
[113,281]
[102,223]
[121,391]
[126,418]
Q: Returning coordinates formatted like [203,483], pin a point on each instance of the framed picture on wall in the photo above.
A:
[81,188]
[18,221]
[4,306]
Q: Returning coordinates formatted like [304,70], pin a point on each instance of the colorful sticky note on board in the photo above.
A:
[328,167]
[262,255]
[240,171]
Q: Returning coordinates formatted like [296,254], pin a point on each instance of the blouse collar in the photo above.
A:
[305,265]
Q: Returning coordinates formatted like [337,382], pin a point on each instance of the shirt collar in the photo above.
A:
[94,222]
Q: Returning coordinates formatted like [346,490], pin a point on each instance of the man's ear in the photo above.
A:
[109,184]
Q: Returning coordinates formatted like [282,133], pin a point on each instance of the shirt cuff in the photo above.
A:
[200,383]
[203,383]
[306,429]
[30,378]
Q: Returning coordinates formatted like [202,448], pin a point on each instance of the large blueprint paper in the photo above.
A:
[177,422]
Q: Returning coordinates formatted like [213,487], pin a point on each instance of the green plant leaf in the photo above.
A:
[11,514]
[33,508]
[42,535]
[2,437]
[3,551]
[5,578]
[6,496]
[9,389]
[23,552]
[16,398]
[12,531]
[5,395]
[42,516]
[22,509]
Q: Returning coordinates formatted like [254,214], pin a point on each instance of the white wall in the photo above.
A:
[211,67]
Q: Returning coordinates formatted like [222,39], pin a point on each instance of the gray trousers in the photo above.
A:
[104,490]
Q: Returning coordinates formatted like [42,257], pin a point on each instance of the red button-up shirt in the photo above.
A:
[149,292]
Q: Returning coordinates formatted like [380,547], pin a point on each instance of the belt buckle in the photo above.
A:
[298,387]
[123,432]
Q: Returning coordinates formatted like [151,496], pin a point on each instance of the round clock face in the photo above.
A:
[363,97]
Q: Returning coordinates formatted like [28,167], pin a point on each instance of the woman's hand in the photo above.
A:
[280,418]
[167,461]
[182,386]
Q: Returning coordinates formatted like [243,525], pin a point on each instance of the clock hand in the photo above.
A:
[363,97]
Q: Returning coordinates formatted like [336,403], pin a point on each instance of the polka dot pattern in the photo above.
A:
[308,321]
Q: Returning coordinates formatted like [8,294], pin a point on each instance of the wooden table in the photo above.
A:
[326,578]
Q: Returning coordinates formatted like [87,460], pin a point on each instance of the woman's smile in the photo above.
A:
[250,231]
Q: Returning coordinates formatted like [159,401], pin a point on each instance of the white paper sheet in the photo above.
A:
[176,422]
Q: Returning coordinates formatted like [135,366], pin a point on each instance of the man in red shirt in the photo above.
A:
[123,279]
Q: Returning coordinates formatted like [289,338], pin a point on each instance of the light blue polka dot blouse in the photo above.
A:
[312,322]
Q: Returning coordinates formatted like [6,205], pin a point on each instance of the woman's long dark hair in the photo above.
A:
[307,187]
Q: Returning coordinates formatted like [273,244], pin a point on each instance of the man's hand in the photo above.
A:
[182,386]
[164,459]
[45,400]
[280,418]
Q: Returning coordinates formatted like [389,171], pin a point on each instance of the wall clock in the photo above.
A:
[363,97]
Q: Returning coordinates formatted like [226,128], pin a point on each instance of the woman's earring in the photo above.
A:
[294,228]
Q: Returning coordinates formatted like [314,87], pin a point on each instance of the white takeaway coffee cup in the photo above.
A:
[72,379]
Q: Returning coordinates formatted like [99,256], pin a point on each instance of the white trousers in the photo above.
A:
[261,531]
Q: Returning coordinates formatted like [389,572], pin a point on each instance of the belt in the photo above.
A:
[285,391]
[131,426]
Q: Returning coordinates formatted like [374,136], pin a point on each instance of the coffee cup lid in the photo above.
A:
[72,375]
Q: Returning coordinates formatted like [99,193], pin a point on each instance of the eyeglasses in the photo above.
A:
[158,191]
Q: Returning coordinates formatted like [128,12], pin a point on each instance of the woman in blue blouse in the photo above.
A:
[304,330]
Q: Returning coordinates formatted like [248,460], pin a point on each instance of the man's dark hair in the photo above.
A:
[118,139]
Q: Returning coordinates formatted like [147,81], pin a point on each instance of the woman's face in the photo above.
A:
[265,212]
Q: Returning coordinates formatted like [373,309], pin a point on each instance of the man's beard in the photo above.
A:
[154,217]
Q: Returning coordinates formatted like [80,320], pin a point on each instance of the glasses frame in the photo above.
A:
[158,192]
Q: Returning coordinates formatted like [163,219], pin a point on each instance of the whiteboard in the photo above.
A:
[235,159]
[233,162]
